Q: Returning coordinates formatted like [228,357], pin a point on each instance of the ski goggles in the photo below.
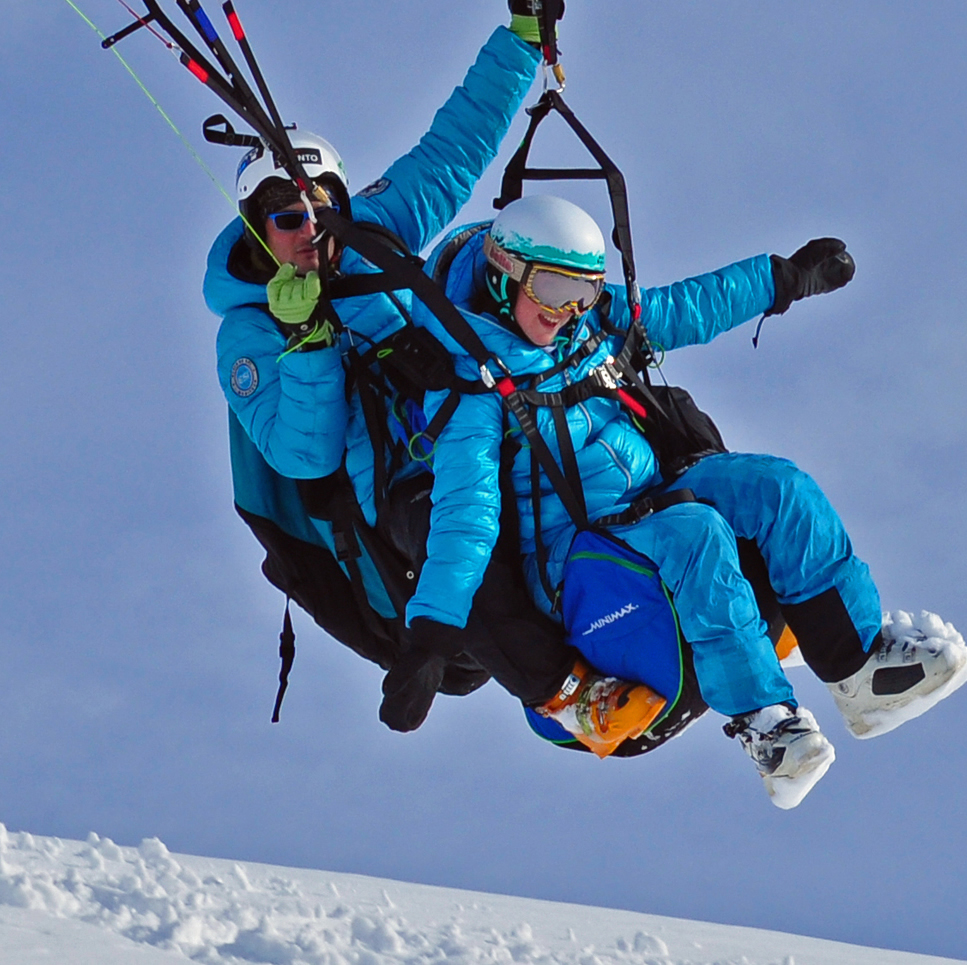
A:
[551,287]
[293,220]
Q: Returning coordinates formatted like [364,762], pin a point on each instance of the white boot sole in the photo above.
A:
[897,711]
[811,757]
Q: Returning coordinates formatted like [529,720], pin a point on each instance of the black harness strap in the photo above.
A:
[517,172]
[646,506]
[540,451]
[540,548]
[565,444]
[442,417]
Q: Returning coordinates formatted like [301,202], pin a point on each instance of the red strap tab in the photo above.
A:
[632,404]
[506,387]
[637,313]
[197,70]
[236,26]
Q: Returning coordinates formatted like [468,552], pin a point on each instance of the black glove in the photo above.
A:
[413,681]
[822,265]
[409,689]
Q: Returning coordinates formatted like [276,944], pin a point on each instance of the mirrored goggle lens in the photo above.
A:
[555,290]
[293,220]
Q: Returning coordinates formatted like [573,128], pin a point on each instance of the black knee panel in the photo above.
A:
[828,641]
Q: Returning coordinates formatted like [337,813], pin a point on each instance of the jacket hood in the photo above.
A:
[222,290]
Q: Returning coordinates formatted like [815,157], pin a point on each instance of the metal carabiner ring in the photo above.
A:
[558,71]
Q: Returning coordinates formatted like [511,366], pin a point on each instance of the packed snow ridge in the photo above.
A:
[151,905]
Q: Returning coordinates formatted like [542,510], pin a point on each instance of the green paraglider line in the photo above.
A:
[191,150]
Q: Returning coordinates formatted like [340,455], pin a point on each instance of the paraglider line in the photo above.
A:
[191,150]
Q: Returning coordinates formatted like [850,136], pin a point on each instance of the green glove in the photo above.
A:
[526,28]
[523,20]
[292,300]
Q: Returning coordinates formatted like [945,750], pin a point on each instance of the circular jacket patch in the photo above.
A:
[377,187]
[245,377]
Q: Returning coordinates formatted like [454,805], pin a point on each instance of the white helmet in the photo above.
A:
[318,157]
[552,231]
[549,248]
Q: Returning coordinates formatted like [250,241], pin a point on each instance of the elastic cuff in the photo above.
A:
[786,277]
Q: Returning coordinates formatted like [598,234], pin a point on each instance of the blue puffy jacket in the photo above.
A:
[290,417]
[615,462]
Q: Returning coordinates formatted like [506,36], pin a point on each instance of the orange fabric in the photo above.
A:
[786,643]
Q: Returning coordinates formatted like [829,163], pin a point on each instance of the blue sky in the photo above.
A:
[137,637]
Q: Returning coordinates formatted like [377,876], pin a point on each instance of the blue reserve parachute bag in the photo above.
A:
[621,616]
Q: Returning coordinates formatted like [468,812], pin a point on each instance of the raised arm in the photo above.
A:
[420,194]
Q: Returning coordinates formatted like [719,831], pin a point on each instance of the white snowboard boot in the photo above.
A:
[922,660]
[788,749]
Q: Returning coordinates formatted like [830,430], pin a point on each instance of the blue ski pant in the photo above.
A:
[807,553]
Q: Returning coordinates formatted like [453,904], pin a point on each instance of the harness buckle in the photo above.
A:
[606,374]
[487,377]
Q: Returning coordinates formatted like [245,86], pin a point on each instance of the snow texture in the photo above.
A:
[94,902]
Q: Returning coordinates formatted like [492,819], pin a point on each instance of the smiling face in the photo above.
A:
[539,324]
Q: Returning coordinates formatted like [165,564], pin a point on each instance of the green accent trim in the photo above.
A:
[384,353]
[627,564]
[670,706]
[428,458]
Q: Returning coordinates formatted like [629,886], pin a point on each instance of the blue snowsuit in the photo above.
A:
[290,417]
[761,498]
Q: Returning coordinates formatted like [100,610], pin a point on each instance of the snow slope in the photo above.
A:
[94,903]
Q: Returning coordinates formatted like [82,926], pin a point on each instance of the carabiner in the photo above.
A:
[557,70]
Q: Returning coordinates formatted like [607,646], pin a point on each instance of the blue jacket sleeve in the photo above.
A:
[294,409]
[421,193]
[465,519]
[694,311]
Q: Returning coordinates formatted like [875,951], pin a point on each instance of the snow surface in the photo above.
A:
[94,902]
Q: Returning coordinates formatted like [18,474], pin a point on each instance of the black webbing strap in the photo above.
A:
[352,286]
[333,499]
[568,457]
[540,549]
[550,11]
[517,171]
[442,416]
[570,395]
[400,272]
[588,347]
[229,137]
[287,655]
[542,453]
[646,506]
[374,417]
